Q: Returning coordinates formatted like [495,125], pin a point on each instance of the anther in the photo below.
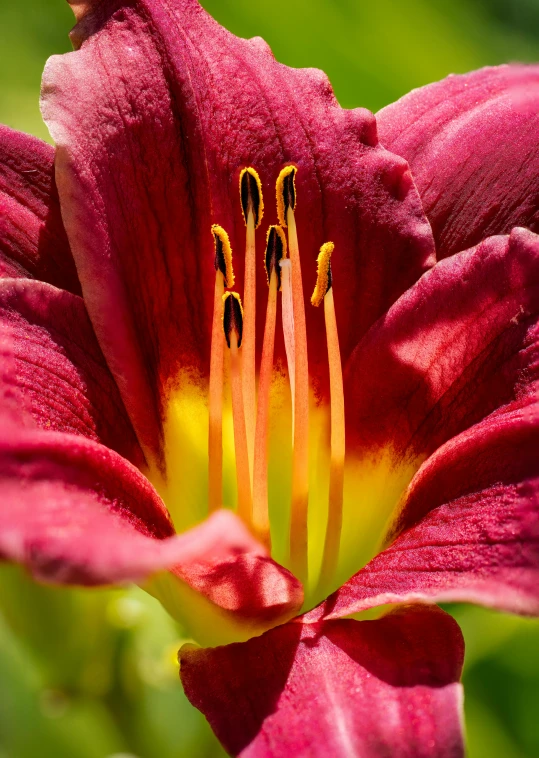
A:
[324,278]
[223,254]
[232,318]
[275,251]
[251,195]
[233,328]
[286,193]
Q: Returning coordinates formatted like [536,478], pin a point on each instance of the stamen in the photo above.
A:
[323,275]
[275,251]
[286,202]
[286,193]
[233,328]
[223,254]
[252,204]
[223,275]
[251,195]
[324,291]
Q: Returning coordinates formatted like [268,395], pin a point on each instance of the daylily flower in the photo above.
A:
[129,408]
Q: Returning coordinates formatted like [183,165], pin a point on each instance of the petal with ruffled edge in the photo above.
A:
[459,345]
[75,512]
[469,526]
[336,688]
[154,116]
[471,142]
[32,237]
[54,364]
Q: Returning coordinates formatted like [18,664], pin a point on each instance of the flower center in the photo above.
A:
[234,326]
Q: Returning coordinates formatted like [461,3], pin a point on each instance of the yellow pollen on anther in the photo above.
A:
[285,190]
[251,195]
[323,278]
[223,254]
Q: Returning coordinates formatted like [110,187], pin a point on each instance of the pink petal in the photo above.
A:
[33,242]
[56,367]
[336,688]
[469,527]
[458,345]
[154,116]
[471,142]
[75,512]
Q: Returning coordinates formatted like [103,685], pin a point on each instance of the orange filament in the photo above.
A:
[276,249]
[252,204]
[260,480]
[249,333]
[300,458]
[215,438]
[232,324]
[288,327]
[324,291]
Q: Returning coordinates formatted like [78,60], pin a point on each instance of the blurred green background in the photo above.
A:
[93,674]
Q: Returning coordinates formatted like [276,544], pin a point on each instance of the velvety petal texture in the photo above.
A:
[154,117]
[57,368]
[336,688]
[461,343]
[75,512]
[469,526]
[33,242]
[471,142]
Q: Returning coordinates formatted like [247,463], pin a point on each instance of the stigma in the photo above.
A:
[250,382]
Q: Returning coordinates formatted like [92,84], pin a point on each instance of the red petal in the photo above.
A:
[56,368]
[33,242]
[75,512]
[469,527]
[471,142]
[339,688]
[154,117]
[458,345]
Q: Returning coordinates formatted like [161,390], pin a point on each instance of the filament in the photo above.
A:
[260,480]
[300,457]
[336,471]
[240,437]
[215,436]
[249,332]
[288,328]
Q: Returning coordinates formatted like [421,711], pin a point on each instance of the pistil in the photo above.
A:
[275,252]
[224,277]
[253,209]
[286,203]
[324,293]
[233,329]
